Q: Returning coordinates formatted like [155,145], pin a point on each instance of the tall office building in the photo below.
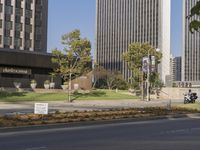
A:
[176,65]
[23,25]
[121,22]
[23,43]
[191,46]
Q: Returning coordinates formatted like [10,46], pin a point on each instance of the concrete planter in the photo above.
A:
[64,87]
[17,85]
[52,85]
[33,85]
[46,86]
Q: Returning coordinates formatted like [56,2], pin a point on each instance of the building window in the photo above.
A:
[1,23]
[18,3]
[7,41]
[18,42]
[17,34]
[37,45]
[28,44]
[7,17]
[27,35]
[1,8]
[39,2]
[18,19]
[28,13]
[8,2]
[8,25]
[9,10]
[28,28]
[18,26]
[27,20]
[7,33]
[19,12]
[38,22]
[38,30]
[0,39]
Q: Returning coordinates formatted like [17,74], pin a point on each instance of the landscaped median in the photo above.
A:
[190,106]
[69,117]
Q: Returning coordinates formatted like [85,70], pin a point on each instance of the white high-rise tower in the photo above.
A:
[121,22]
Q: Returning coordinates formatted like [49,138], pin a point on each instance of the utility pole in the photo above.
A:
[148,75]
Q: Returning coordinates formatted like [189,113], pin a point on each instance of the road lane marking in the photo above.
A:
[36,148]
[181,131]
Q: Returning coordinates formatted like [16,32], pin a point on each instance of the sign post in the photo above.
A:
[148,66]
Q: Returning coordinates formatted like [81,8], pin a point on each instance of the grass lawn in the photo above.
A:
[93,95]
[191,106]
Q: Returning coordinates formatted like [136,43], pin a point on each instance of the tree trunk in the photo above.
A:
[70,87]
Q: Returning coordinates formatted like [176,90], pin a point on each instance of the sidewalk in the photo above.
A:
[28,107]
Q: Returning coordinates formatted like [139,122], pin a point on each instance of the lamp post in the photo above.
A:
[148,75]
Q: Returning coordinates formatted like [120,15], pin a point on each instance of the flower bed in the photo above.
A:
[67,117]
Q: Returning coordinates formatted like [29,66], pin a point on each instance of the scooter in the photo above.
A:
[190,98]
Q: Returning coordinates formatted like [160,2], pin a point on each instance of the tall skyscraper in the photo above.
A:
[191,46]
[23,25]
[121,22]
[176,68]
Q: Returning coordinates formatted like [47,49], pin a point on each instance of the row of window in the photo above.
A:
[17,42]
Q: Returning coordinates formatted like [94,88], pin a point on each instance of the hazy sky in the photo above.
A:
[67,15]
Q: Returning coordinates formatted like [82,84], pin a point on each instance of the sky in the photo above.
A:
[67,15]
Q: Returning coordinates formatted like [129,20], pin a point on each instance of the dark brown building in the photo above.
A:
[23,25]
[24,66]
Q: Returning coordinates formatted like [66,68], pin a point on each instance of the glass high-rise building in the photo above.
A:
[23,25]
[121,22]
[191,46]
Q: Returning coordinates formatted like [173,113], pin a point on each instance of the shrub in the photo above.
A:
[101,84]
[174,85]
[46,82]
[33,81]
[121,84]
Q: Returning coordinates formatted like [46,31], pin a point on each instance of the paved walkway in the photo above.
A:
[28,107]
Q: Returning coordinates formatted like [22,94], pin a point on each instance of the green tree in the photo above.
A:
[99,73]
[133,57]
[111,77]
[75,58]
[194,24]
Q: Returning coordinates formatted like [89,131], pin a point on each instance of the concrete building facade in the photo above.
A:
[23,25]
[191,47]
[122,22]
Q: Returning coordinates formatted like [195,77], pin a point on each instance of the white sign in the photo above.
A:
[41,108]
[76,86]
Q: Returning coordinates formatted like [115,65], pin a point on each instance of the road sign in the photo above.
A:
[145,64]
[41,108]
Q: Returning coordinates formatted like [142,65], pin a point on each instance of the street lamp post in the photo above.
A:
[148,75]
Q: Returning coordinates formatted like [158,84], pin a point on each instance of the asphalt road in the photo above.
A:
[181,134]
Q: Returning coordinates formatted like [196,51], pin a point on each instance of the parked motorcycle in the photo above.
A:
[190,98]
